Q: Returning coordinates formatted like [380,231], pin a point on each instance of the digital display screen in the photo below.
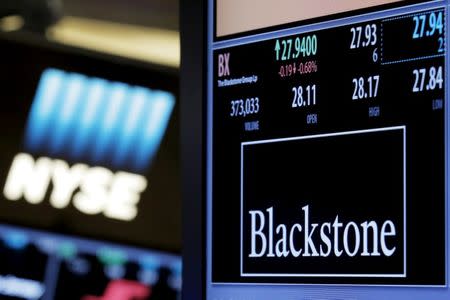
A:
[40,265]
[89,197]
[90,146]
[234,16]
[327,153]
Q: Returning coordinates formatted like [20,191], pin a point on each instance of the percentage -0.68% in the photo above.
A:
[300,68]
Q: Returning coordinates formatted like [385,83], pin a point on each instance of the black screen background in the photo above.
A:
[336,112]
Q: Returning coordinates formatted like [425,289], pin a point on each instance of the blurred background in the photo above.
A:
[90,201]
[139,29]
[150,13]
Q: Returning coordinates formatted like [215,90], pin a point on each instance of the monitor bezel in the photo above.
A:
[194,74]
[193,20]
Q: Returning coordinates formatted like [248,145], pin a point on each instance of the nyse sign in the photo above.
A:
[93,190]
[98,126]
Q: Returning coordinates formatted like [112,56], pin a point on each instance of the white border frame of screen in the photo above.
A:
[354,132]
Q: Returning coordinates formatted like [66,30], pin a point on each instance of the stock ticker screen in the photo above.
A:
[89,196]
[327,150]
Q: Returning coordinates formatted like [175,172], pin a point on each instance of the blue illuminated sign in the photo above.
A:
[97,121]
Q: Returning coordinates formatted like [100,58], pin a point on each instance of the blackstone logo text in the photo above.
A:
[306,239]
